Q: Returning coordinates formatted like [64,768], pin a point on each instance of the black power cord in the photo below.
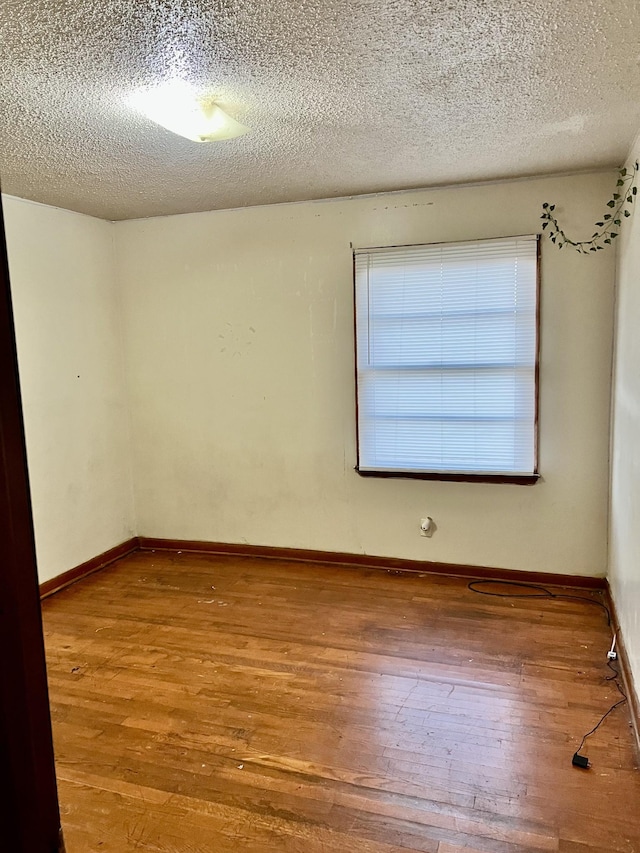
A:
[539,592]
[582,760]
[536,591]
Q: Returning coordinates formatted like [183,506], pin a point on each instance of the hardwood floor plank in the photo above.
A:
[206,702]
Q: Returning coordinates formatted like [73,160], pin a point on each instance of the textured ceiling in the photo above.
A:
[341,97]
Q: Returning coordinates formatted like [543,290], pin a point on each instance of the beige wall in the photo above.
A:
[624,559]
[71,373]
[239,346]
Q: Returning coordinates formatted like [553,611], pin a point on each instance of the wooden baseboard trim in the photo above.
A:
[631,689]
[94,565]
[368,561]
[303,555]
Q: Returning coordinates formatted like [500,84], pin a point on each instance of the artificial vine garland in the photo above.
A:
[620,202]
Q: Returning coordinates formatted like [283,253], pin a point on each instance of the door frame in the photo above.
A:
[29,810]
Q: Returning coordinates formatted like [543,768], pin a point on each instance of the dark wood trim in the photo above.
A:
[369,561]
[355,355]
[631,688]
[506,479]
[360,250]
[536,418]
[94,565]
[29,812]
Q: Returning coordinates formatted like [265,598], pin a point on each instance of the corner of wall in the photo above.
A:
[624,473]
[124,373]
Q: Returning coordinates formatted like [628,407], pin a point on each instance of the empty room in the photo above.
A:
[320,426]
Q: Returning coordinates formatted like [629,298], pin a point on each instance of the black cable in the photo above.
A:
[543,592]
[615,678]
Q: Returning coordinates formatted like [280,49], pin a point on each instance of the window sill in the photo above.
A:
[510,479]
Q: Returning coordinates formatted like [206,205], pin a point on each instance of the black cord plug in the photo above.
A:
[580,761]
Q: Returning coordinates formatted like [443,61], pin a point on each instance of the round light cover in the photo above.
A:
[175,106]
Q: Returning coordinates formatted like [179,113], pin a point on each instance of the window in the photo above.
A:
[446,349]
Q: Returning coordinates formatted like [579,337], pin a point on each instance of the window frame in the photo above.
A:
[443,476]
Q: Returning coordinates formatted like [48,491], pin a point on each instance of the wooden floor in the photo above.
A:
[211,704]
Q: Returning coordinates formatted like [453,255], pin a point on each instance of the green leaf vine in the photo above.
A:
[608,227]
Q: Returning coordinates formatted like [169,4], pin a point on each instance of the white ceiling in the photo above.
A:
[341,97]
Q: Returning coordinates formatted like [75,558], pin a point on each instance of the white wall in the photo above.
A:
[624,559]
[239,344]
[71,372]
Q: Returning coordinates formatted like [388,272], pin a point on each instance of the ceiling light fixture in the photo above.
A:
[177,107]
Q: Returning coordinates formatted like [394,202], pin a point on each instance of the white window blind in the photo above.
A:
[446,339]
